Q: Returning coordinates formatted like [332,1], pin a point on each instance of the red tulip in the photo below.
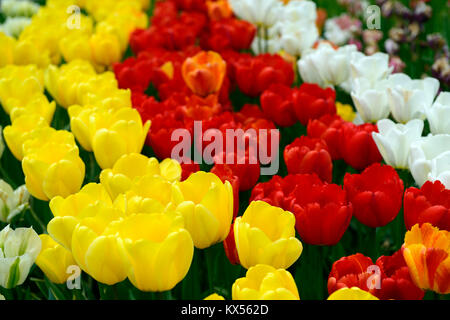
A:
[321,210]
[376,194]
[431,204]
[312,102]
[277,104]
[308,155]
[357,145]
[350,271]
[328,128]
[229,244]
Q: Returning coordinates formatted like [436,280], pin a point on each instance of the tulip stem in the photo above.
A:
[372,243]
[209,255]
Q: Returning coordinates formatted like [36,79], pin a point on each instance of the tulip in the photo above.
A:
[158,248]
[20,131]
[328,128]
[308,155]
[353,293]
[325,65]
[430,203]
[357,145]
[18,251]
[214,296]
[321,210]
[109,133]
[207,207]
[131,167]
[105,48]
[52,169]
[7,43]
[12,202]
[394,140]
[204,73]
[263,12]
[312,102]
[266,235]
[97,252]
[218,10]
[370,101]
[38,105]
[27,52]
[69,211]
[408,99]
[372,68]
[437,114]
[297,37]
[427,254]
[376,194]
[345,111]
[277,104]
[54,260]
[263,282]
[429,159]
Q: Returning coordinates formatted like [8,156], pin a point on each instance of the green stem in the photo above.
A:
[371,243]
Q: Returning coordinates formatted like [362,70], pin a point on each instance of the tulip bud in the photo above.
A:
[105,48]
[438,114]
[12,202]
[263,282]
[54,260]
[18,250]
[266,235]
[204,73]
[158,248]
[207,207]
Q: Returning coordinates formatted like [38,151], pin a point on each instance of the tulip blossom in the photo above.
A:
[207,207]
[394,140]
[18,251]
[262,13]
[427,254]
[429,159]
[357,145]
[376,194]
[321,210]
[328,128]
[204,73]
[370,101]
[311,102]
[12,202]
[437,114]
[430,203]
[266,235]
[353,293]
[372,68]
[54,260]
[131,167]
[309,155]
[158,249]
[408,99]
[277,104]
[263,282]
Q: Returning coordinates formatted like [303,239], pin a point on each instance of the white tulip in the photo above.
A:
[303,11]
[325,65]
[394,140]
[12,202]
[259,12]
[439,114]
[370,100]
[297,37]
[18,251]
[408,99]
[373,68]
[428,157]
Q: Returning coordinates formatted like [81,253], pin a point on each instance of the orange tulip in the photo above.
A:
[427,254]
[218,10]
[204,72]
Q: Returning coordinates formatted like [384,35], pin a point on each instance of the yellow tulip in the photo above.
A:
[132,167]
[75,45]
[7,44]
[265,234]
[38,105]
[63,82]
[54,260]
[118,133]
[53,170]
[353,293]
[27,52]
[158,248]
[15,92]
[99,253]
[207,207]
[105,48]
[69,211]
[20,131]
[214,296]
[263,282]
